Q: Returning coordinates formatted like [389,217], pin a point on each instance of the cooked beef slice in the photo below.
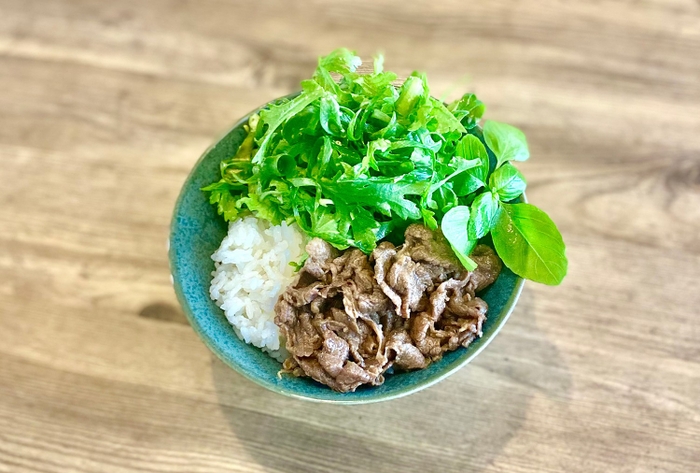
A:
[383,256]
[429,247]
[406,355]
[332,323]
[489,267]
[321,254]
[409,280]
[348,318]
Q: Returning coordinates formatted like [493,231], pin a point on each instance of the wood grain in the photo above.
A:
[105,106]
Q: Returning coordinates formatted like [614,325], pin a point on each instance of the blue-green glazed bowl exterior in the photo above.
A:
[196,232]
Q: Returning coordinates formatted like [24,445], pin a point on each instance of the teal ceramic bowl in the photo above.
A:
[196,232]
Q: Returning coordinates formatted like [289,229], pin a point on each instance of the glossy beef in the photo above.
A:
[348,318]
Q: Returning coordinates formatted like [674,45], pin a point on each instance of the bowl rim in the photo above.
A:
[231,363]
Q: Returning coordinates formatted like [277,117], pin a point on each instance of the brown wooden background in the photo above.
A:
[105,106]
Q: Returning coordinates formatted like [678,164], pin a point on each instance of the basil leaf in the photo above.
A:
[470,147]
[507,142]
[456,167]
[508,182]
[529,243]
[483,213]
[454,227]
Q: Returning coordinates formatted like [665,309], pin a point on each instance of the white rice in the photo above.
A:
[252,270]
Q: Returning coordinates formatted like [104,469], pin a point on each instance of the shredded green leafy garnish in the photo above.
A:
[354,159]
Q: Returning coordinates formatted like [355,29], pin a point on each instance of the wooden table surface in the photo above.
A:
[104,108]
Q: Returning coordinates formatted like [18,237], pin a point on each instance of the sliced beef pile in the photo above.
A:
[347,318]
[331,319]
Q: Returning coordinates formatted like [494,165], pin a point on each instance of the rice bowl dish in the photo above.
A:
[366,220]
